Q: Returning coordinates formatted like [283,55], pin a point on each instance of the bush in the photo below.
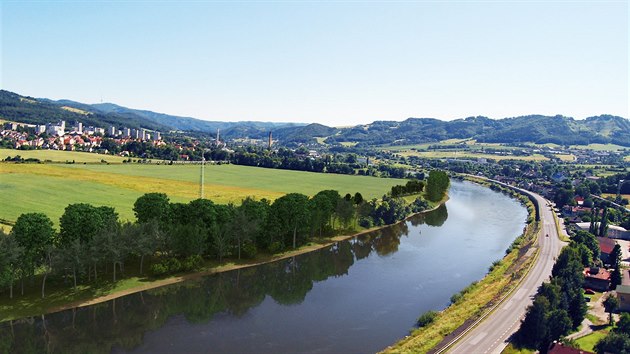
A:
[494,265]
[426,319]
[249,250]
[192,262]
[275,247]
[366,222]
[158,269]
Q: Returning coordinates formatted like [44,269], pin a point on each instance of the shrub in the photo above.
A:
[249,250]
[275,247]
[426,318]
[192,262]
[158,269]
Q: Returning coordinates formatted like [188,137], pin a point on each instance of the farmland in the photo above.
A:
[60,156]
[48,188]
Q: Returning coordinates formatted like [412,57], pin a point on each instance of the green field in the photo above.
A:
[60,156]
[440,154]
[49,188]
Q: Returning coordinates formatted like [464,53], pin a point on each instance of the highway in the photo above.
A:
[492,334]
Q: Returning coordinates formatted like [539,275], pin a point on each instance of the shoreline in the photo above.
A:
[230,266]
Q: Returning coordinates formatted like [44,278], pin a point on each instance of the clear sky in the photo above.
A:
[331,62]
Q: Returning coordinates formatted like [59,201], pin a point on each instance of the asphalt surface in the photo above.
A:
[492,334]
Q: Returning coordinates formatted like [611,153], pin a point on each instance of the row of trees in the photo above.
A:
[178,236]
[559,306]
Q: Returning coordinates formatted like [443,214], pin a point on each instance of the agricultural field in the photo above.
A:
[60,156]
[468,154]
[624,196]
[49,188]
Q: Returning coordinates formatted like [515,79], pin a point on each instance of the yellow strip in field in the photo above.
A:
[184,189]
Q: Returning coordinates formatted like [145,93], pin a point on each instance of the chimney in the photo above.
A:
[270,141]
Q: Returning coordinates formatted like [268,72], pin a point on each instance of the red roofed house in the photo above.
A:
[596,278]
[559,348]
[579,200]
[606,246]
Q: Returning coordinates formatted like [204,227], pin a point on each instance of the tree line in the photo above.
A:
[559,306]
[172,237]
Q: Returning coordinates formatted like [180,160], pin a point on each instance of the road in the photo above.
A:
[492,333]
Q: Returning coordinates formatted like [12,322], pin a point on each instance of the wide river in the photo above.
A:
[357,296]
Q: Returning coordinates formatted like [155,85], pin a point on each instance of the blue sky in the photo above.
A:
[335,63]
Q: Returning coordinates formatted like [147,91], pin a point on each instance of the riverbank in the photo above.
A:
[481,297]
[85,295]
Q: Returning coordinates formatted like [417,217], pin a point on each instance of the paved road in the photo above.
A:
[491,335]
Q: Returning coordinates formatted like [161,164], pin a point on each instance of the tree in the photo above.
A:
[345,211]
[611,303]
[10,255]
[534,327]
[34,233]
[614,343]
[623,325]
[248,222]
[146,239]
[437,184]
[83,221]
[358,198]
[615,256]
[152,206]
[292,212]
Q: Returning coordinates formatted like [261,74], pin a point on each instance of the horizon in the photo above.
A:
[336,64]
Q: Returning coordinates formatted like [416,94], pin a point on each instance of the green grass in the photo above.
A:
[588,341]
[511,349]
[600,147]
[61,156]
[49,188]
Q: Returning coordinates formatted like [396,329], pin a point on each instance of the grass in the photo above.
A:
[61,156]
[511,349]
[589,341]
[624,196]
[49,188]
[599,147]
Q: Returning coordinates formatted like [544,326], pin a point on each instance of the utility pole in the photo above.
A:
[203,165]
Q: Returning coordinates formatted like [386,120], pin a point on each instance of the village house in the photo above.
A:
[623,294]
[596,278]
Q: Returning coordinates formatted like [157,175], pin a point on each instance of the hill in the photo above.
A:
[24,109]
[539,129]
[534,128]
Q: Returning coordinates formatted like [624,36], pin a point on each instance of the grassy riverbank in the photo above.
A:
[479,297]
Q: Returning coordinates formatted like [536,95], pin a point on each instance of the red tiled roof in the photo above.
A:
[606,244]
[559,348]
[602,274]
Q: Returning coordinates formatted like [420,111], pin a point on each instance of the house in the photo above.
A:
[614,231]
[606,246]
[579,200]
[559,348]
[596,278]
[623,294]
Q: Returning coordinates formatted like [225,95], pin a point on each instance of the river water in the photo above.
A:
[357,296]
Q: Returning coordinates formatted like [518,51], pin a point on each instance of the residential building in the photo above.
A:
[623,294]
[596,278]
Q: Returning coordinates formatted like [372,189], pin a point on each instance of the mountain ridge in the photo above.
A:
[534,128]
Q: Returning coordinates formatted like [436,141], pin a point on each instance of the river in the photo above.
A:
[357,296]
